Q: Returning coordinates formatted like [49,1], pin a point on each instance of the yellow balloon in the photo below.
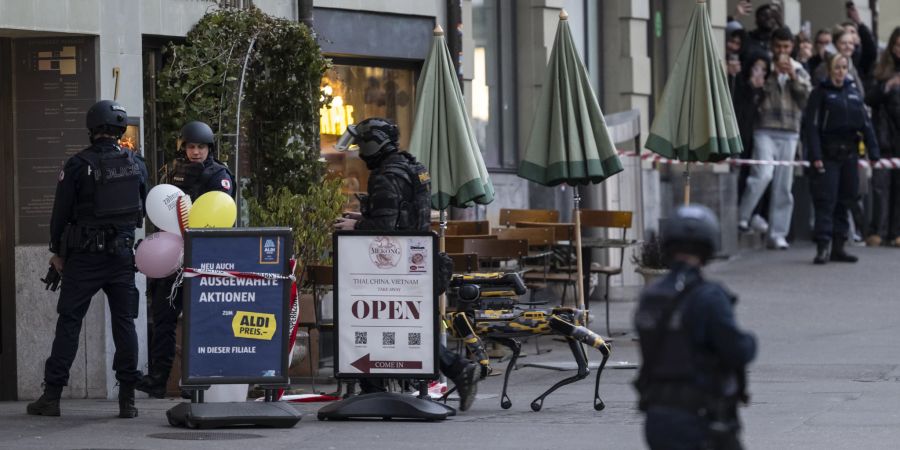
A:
[214,209]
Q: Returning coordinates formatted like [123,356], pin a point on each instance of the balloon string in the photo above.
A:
[179,280]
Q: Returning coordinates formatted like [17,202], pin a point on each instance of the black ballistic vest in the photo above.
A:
[675,358]
[112,196]
[193,178]
[415,212]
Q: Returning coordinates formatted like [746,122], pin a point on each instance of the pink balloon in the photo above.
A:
[160,254]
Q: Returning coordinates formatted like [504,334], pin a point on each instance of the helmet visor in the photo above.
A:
[348,141]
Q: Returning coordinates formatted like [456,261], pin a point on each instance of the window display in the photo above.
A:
[353,93]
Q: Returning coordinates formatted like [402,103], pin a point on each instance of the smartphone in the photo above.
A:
[806,28]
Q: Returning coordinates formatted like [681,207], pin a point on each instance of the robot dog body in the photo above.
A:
[487,308]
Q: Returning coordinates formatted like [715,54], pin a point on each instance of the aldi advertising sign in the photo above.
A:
[386,314]
[236,306]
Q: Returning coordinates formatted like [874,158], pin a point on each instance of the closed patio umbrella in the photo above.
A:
[569,141]
[442,138]
[695,119]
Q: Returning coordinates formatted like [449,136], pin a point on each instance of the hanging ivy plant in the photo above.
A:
[281,66]
[281,97]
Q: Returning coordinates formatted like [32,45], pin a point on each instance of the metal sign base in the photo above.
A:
[219,415]
[386,405]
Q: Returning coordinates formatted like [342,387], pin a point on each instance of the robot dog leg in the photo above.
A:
[516,347]
[575,335]
[584,335]
[583,371]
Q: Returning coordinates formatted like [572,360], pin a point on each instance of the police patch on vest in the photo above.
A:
[226,184]
[113,173]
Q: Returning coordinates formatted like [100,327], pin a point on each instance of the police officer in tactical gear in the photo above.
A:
[196,172]
[99,203]
[694,355]
[398,188]
[399,199]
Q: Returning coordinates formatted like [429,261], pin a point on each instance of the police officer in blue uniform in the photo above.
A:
[196,172]
[99,203]
[835,120]
[694,355]
[400,199]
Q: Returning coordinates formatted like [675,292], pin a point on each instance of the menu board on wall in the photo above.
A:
[55,84]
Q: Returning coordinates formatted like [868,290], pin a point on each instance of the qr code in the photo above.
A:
[415,338]
[361,338]
[387,338]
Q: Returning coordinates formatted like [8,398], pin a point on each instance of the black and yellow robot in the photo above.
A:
[487,308]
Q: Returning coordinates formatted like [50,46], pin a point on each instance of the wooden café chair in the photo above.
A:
[615,224]
[464,227]
[495,249]
[454,244]
[509,217]
[562,233]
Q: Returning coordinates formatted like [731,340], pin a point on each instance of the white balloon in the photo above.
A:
[162,207]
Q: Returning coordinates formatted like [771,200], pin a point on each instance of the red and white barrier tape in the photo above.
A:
[190,272]
[884,163]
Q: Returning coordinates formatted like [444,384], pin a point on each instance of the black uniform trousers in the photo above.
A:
[165,318]
[834,192]
[83,276]
[451,363]
[671,428]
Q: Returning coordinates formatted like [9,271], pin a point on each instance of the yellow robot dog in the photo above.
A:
[489,301]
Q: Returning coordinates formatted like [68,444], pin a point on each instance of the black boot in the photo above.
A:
[127,410]
[153,384]
[822,248]
[467,386]
[839,254]
[48,404]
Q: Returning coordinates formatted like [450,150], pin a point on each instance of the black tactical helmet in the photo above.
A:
[373,136]
[694,230]
[106,116]
[198,133]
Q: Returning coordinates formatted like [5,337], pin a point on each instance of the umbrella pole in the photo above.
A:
[442,231]
[687,184]
[442,302]
[578,257]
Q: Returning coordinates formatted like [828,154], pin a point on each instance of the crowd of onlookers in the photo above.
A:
[831,98]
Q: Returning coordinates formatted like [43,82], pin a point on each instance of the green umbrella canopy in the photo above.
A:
[695,118]
[442,137]
[569,141]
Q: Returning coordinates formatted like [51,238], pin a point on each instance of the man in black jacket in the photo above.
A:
[694,355]
[768,19]
[399,199]
[99,202]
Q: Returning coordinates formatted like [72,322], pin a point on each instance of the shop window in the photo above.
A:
[494,82]
[354,93]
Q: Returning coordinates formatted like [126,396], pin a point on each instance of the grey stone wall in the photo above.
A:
[35,325]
